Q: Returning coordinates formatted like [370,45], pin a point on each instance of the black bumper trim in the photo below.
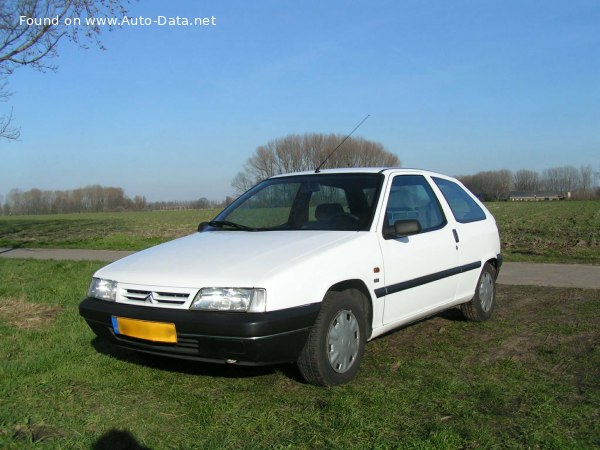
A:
[247,338]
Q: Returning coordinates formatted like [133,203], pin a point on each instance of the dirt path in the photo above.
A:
[554,275]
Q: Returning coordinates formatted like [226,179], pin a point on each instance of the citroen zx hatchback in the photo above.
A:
[305,267]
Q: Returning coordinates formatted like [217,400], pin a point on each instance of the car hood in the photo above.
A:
[223,258]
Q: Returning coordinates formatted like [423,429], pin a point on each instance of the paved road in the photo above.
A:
[556,275]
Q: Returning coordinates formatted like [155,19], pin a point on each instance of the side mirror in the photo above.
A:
[203,226]
[403,228]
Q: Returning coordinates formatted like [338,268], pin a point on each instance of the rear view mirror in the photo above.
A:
[403,228]
[203,226]
[309,188]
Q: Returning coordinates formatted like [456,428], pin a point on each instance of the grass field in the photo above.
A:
[529,378]
[567,231]
[539,232]
[109,231]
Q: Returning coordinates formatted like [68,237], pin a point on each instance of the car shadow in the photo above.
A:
[450,315]
[453,315]
[190,367]
[118,439]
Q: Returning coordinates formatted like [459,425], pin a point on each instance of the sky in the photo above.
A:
[173,112]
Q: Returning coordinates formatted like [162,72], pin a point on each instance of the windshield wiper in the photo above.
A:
[227,223]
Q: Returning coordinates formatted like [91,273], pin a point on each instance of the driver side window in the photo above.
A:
[411,198]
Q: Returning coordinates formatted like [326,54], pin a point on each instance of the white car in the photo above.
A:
[305,267]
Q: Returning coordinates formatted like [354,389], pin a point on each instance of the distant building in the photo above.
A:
[535,196]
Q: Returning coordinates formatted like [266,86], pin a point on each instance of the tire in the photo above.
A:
[335,345]
[481,306]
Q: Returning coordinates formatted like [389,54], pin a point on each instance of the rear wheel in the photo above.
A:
[335,345]
[482,304]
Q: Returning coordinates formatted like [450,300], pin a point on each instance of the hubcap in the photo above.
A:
[342,341]
[486,291]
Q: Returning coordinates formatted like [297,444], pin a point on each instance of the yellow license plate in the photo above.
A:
[143,329]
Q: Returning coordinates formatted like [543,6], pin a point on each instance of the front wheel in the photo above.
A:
[482,304]
[335,345]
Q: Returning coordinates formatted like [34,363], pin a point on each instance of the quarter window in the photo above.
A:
[463,207]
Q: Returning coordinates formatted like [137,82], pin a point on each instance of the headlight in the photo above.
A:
[103,289]
[231,299]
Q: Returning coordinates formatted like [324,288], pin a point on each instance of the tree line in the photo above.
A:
[295,153]
[562,181]
[91,199]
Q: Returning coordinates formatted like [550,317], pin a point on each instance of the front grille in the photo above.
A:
[166,297]
[173,298]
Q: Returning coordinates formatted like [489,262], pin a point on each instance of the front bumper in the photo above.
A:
[212,336]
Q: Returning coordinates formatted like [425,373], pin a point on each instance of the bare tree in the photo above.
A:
[561,180]
[586,179]
[551,179]
[139,202]
[7,130]
[295,153]
[30,31]
[490,185]
[503,186]
[526,181]
[241,182]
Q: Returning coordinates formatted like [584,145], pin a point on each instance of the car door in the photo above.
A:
[418,268]
[473,230]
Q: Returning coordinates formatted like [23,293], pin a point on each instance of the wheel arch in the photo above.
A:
[495,263]
[360,286]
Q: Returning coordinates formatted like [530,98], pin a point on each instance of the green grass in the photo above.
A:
[109,231]
[566,231]
[529,378]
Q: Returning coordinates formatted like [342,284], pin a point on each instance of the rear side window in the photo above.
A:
[464,208]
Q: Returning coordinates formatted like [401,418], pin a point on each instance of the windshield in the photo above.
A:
[306,202]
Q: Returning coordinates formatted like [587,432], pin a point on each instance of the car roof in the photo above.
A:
[383,170]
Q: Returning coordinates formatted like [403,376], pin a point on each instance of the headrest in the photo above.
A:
[325,211]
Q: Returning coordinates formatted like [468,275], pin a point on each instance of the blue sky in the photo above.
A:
[173,113]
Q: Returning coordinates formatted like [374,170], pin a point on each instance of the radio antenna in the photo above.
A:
[318,169]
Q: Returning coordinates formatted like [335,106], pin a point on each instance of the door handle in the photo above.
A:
[454,232]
